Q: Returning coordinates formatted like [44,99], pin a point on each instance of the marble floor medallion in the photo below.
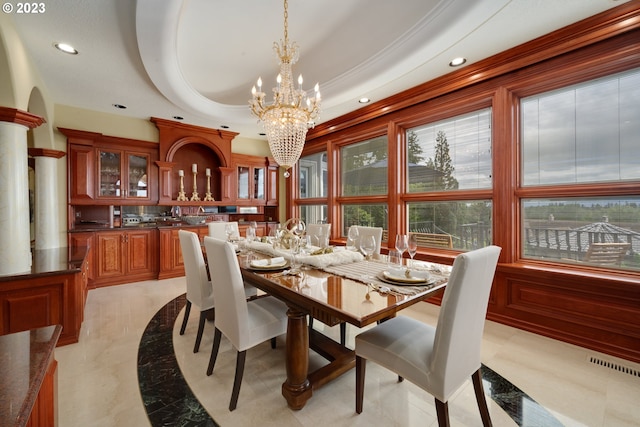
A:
[167,397]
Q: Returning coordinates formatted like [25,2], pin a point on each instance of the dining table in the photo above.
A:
[342,287]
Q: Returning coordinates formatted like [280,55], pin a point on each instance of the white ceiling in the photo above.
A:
[199,58]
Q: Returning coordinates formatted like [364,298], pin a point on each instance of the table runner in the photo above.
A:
[337,257]
[368,271]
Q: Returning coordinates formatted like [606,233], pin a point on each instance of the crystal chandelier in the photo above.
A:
[292,112]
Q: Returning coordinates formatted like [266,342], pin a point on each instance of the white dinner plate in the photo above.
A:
[385,276]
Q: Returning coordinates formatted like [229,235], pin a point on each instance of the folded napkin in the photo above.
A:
[267,262]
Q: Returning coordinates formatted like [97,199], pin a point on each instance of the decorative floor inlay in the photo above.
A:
[168,399]
[521,408]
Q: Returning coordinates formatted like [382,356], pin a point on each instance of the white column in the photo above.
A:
[46,204]
[15,247]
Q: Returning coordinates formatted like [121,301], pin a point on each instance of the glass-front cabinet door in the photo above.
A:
[259,183]
[243,182]
[123,175]
[109,174]
[137,168]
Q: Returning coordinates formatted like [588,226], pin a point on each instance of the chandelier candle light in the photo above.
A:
[292,112]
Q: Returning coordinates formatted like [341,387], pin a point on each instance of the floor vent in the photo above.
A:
[614,366]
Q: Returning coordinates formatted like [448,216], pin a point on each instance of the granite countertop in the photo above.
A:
[51,261]
[24,360]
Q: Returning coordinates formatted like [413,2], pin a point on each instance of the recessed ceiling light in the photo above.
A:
[120,106]
[456,62]
[364,100]
[66,48]
[178,117]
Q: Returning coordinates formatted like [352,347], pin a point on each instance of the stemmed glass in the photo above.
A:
[294,247]
[298,228]
[368,246]
[412,246]
[352,238]
[250,237]
[401,243]
[229,231]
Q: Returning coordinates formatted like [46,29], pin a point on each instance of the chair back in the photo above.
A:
[318,230]
[458,336]
[199,288]
[218,230]
[232,314]
[376,232]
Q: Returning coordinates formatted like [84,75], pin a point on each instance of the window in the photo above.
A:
[586,134]
[314,214]
[364,167]
[452,225]
[451,154]
[313,175]
[569,229]
[443,159]
[368,215]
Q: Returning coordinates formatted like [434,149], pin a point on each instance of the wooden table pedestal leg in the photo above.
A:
[297,389]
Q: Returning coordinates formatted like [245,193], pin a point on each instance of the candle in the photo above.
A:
[208,172]
[194,168]
[180,172]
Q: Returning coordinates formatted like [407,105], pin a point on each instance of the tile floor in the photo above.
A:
[130,360]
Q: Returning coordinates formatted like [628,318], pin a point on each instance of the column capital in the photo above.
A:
[45,152]
[24,118]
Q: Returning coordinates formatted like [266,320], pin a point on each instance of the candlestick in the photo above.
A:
[194,168]
[194,195]
[208,197]
[181,194]
[208,172]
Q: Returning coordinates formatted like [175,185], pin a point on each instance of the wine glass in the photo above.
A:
[298,227]
[367,246]
[229,231]
[294,248]
[412,246]
[250,237]
[352,238]
[401,243]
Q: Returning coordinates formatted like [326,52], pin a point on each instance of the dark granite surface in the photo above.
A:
[51,261]
[169,400]
[24,360]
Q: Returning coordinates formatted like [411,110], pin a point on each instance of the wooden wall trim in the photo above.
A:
[24,118]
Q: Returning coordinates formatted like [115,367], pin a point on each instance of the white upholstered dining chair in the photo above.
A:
[438,359]
[318,232]
[245,323]
[218,230]
[199,289]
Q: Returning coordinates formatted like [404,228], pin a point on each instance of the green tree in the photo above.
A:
[414,151]
[441,162]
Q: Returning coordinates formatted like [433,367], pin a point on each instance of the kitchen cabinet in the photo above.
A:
[171,263]
[256,181]
[125,255]
[77,243]
[110,170]
[81,173]
[123,175]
